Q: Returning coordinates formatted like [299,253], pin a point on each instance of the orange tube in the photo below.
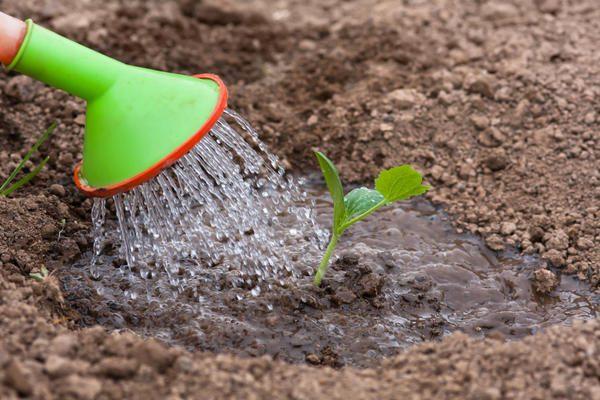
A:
[12,33]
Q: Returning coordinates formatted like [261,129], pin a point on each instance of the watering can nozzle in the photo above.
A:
[138,121]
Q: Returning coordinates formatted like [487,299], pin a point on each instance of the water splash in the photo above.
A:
[222,206]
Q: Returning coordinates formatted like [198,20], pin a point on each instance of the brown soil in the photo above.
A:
[496,101]
[403,277]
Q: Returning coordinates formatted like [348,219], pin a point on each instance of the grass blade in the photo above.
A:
[19,167]
[25,179]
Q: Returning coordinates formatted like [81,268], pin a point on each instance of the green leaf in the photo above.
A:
[332,178]
[41,276]
[400,183]
[19,167]
[361,200]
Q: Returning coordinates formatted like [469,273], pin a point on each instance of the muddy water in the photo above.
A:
[403,276]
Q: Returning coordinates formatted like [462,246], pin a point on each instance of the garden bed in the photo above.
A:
[493,101]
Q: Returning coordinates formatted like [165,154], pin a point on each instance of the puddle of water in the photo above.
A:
[435,282]
[479,291]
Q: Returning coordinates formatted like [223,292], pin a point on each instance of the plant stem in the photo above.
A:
[325,261]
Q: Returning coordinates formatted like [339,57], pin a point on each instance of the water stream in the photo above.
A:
[226,203]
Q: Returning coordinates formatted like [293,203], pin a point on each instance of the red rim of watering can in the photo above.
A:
[167,161]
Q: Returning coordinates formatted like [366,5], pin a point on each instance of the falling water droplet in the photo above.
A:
[226,202]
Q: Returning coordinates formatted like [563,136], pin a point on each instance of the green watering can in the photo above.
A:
[138,122]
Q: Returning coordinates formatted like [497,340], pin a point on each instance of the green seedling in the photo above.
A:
[6,188]
[40,276]
[394,184]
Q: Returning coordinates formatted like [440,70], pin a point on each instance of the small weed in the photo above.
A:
[394,184]
[6,188]
[63,223]
[40,276]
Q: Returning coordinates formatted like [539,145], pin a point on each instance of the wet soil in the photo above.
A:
[404,276]
[494,101]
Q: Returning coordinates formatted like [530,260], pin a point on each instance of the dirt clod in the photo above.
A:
[556,258]
[153,354]
[63,345]
[495,242]
[58,367]
[343,295]
[78,387]
[17,376]
[370,285]
[497,160]
[508,228]
[116,367]
[58,190]
[21,88]
[557,240]
[545,281]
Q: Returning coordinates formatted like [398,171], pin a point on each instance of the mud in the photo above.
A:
[494,101]
[404,276]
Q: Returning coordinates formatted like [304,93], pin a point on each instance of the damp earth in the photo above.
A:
[403,276]
[496,103]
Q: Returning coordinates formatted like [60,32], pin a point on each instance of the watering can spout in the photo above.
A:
[138,121]
[64,64]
